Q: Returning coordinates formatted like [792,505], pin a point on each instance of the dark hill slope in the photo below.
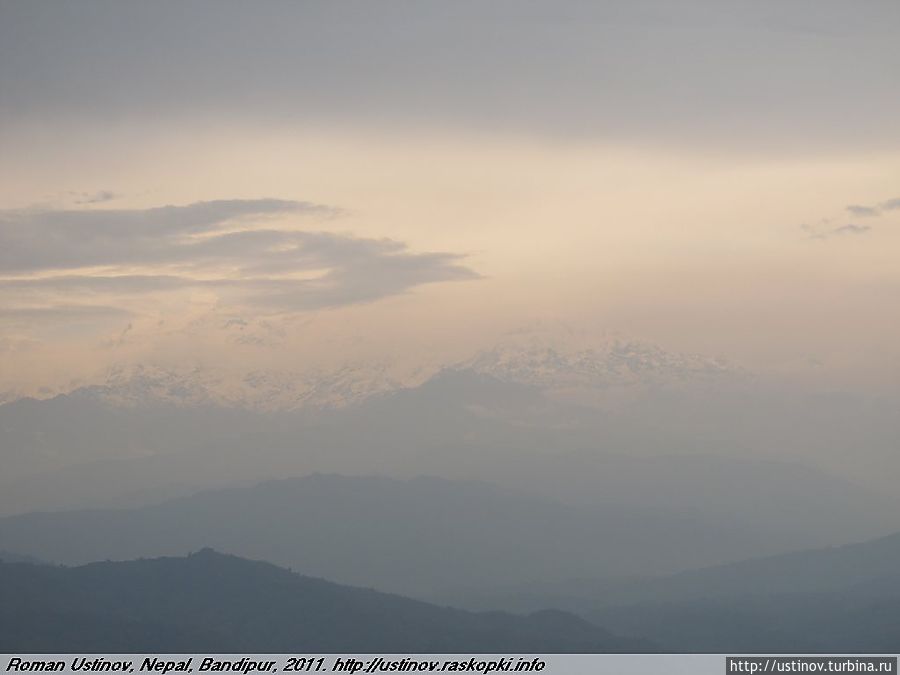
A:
[214,602]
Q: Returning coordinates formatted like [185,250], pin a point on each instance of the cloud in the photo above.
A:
[318,63]
[824,230]
[871,211]
[94,197]
[863,211]
[850,228]
[34,240]
[243,251]
[843,230]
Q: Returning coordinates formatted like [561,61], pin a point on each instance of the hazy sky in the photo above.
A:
[297,181]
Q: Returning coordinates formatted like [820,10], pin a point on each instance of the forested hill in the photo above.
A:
[208,601]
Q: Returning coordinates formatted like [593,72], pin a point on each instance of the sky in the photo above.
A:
[286,183]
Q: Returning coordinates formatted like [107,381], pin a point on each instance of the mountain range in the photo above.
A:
[554,470]
[552,361]
[212,602]
[423,536]
[837,599]
[76,452]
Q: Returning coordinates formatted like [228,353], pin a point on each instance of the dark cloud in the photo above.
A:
[850,228]
[33,240]
[94,197]
[869,211]
[824,230]
[862,211]
[218,245]
[368,278]
[842,230]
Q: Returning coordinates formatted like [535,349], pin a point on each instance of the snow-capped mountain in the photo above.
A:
[557,362]
[573,363]
[265,390]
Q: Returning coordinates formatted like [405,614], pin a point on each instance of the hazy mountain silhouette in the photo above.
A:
[423,536]
[839,599]
[857,620]
[214,602]
[836,568]
[71,429]
[812,571]
[84,452]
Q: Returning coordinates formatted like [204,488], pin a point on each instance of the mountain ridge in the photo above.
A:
[209,601]
[549,361]
[350,529]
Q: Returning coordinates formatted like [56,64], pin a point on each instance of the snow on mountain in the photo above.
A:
[257,389]
[558,362]
[573,363]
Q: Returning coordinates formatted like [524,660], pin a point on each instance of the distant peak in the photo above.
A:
[608,360]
